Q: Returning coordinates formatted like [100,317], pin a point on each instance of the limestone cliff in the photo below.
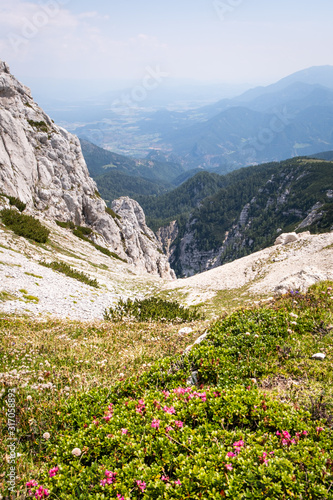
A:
[42,164]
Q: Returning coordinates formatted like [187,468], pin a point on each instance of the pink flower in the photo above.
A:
[140,407]
[319,429]
[166,394]
[178,482]
[95,422]
[217,394]
[124,431]
[179,424]
[165,478]
[170,410]
[41,493]
[179,390]
[120,497]
[168,428]
[230,454]
[142,485]
[155,423]
[284,442]
[103,482]
[106,418]
[228,467]
[111,476]
[238,445]
[305,433]
[53,472]
[31,484]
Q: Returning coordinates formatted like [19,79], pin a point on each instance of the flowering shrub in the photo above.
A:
[154,436]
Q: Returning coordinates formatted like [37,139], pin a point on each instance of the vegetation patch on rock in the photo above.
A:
[64,268]
[24,225]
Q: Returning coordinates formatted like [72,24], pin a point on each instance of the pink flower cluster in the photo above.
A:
[141,407]
[108,413]
[155,423]
[170,410]
[120,497]
[238,445]
[110,478]
[263,459]
[168,428]
[286,439]
[199,395]
[181,390]
[141,485]
[179,424]
[53,472]
[124,431]
[40,492]
[166,394]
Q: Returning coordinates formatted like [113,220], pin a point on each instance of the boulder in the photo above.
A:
[285,238]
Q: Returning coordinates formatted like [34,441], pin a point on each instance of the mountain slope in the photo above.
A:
[251,207]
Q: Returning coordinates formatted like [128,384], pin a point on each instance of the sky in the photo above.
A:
[231,41]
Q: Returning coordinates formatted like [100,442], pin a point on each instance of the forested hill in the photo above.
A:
[247,211]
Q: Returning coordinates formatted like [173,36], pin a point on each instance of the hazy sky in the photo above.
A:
[211,40]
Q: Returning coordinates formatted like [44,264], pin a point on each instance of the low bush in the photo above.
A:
[151,309]
[15,202]
[64,268]
[24,225]
[65,225]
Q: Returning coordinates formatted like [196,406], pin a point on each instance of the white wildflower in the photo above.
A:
[46,435]
[76,452]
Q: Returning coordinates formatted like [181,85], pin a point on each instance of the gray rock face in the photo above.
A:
[42,164]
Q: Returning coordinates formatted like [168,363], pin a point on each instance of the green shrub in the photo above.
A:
[152,309]
[64,268]
[16,202]
[41,125]
[65,225]
[25,225]
[112,213]
[83,230]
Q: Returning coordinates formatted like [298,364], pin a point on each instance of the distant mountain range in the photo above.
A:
[290,118]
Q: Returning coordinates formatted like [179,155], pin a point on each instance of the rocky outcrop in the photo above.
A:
[42,164]
[141,243]
[166,235]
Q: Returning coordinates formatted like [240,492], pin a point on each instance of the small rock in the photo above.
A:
[185,331]
[193,379]
[201,338]
[319,355]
